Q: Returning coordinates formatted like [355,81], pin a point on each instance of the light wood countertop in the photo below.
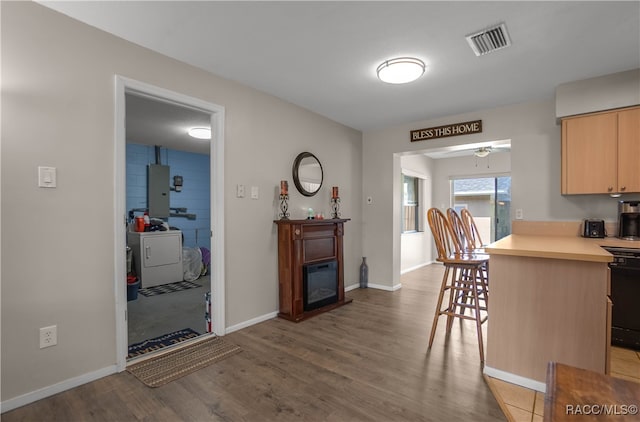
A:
[554,247]
[556,240]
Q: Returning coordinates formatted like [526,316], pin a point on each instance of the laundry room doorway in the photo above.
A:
[169,192]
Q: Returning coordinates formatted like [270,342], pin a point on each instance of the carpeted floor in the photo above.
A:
[174,364]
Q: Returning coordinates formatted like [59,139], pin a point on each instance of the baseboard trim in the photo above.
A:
[352,287]
[45,392]
[385,288]
[515,379]
[408,270]
[251,322]
[375,286]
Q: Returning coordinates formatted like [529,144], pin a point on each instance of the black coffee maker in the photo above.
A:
[629,220]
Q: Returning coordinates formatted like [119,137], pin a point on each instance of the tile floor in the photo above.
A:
[521,404]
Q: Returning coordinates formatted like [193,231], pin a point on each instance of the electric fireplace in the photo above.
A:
[310,267]
[319,285]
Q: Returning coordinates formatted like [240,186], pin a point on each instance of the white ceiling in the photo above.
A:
[323,55]
[152,122]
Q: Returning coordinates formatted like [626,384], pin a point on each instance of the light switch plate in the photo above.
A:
[47,177]
[255,192]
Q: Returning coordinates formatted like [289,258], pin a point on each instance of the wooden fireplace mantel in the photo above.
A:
[303,242]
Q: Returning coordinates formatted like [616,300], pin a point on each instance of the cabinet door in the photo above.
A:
[589,154]
[629,150]
[162,250]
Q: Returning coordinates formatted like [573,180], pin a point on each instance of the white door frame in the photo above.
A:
[125,85]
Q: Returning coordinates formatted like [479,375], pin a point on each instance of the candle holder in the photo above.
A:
[335,207]
[284,207]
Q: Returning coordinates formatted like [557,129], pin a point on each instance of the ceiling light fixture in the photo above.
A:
[401,70]
[200,132]
[482,152]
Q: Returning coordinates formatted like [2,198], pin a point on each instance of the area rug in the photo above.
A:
[158,343]
[168,288]
[175,364]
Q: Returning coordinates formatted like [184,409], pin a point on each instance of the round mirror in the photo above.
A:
[307,174]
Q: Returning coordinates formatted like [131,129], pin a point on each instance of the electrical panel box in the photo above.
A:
[158,189]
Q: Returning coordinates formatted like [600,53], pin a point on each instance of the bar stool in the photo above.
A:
[462,236]
[471,230]
[459,230]
[463,278]
[474,242]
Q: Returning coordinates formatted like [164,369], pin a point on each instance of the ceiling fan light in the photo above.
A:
[200,132]
[482,152]
[401,70]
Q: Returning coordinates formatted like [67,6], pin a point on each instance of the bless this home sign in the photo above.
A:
[456,129]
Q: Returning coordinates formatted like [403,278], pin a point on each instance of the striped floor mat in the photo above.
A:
[162,369]
[168,288]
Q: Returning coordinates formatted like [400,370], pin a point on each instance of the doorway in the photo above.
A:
[212,236]
[436,168]
[168,264]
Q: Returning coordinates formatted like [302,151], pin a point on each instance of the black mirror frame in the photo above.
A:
[296,180]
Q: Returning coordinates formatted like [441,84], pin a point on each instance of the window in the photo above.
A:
[489,201]
[410,204]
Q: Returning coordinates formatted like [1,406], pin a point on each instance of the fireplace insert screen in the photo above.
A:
[320,285]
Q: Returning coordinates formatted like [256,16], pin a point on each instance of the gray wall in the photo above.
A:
[448,168]
[58,244]
[535,173]
[595,94]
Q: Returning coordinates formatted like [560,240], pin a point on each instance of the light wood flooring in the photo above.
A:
[366,361]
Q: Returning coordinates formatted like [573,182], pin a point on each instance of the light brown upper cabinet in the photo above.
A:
[601,152]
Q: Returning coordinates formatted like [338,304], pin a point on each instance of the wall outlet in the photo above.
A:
[240,191]
[519,215]
[48,336]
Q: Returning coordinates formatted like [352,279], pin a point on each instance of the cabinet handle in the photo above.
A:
[610,188]
[623,188]
[147,252]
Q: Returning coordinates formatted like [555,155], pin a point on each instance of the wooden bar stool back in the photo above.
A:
[469,231]
[470,228]
[459,230]
[463,279]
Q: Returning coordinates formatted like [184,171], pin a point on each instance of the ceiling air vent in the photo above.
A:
[489,40]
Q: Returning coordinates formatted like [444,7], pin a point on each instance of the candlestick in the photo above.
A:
[284,206]
[284,187]
[334,192]
[335,207]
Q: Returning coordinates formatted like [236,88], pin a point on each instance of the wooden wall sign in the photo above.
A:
[455,129]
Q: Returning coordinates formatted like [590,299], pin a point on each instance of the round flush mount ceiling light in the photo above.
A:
[200,132]
[401,70]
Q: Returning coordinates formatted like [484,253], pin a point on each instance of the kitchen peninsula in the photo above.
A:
[548,302]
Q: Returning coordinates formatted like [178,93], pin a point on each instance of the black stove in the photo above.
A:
[625,293]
